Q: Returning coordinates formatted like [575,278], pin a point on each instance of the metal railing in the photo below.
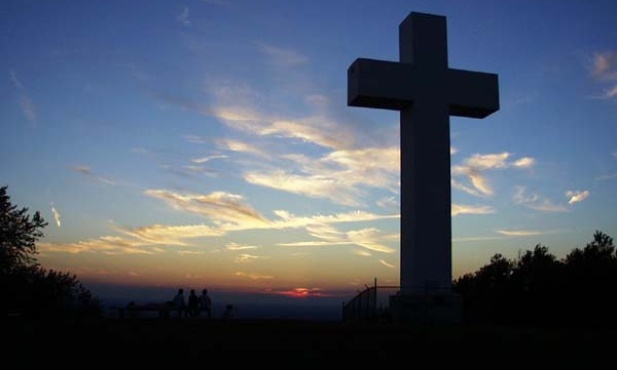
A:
[371,304]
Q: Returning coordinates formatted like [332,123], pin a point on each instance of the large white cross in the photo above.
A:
[426,92]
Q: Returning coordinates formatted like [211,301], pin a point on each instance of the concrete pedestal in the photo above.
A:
[427,308]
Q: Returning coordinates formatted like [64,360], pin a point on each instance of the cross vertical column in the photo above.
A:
[426,232]
[426,236]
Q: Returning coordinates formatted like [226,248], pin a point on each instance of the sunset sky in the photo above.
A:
[209,143]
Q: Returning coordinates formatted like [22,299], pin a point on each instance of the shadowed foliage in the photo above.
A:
[539,289]
[29,289]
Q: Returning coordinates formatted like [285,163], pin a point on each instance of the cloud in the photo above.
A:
[518,232]
[314,130]
[311,186]
[460,209]
[606,177]
[220,206]
[610,93]
[368,238]
[242,108]
[110,245]
[86,171]
[239,247]
[576,196]
[525,162]
[226,213]
[282,57]
[208,158]
[535,201]
[26,104]
[245,258]
[239,146]
[170,235]
[604,65]
[253,276]
[475,166]
[56,215]
[388,203]
[604,70]
[339,176]
[183,17]
[387,264]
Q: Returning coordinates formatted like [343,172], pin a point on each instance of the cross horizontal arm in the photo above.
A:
[379,84]
[472,94]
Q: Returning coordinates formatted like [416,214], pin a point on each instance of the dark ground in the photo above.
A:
[158,342]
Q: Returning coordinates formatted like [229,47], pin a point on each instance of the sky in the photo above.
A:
[208,144]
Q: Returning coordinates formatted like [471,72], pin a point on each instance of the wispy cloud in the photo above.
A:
[461,209]
[577,196]
[239,146]
[385,263]
[604,65]
[518,232]
[208,158]
[253,276]
[475,166]
[606,177]
[183,17]
[86,171]
[534,201]
[219,206]
[604,70]
[282,57]
[111,245]
[158,234]
[340,176]
[368,238]
[56,215]
[239,247]
[388,203]
[26,104]
[225,213]
[245,258]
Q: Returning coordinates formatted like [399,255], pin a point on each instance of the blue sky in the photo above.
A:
[209,144]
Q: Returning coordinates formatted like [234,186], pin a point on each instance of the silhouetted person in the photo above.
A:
[180,303]
[229,312]
[193,308]
[205,303]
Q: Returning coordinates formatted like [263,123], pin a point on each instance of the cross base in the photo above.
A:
[437,308]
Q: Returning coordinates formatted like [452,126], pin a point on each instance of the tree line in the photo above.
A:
[537,288]
[28,289]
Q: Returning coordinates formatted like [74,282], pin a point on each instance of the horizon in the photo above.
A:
[209,143]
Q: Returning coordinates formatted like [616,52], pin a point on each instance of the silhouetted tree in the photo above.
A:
[591,277]
[539,289]
[537,279]
[18,234]
[26,287]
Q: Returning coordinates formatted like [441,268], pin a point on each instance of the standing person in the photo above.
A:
[229,312]
[193,308]
[180,303]
[206,303]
